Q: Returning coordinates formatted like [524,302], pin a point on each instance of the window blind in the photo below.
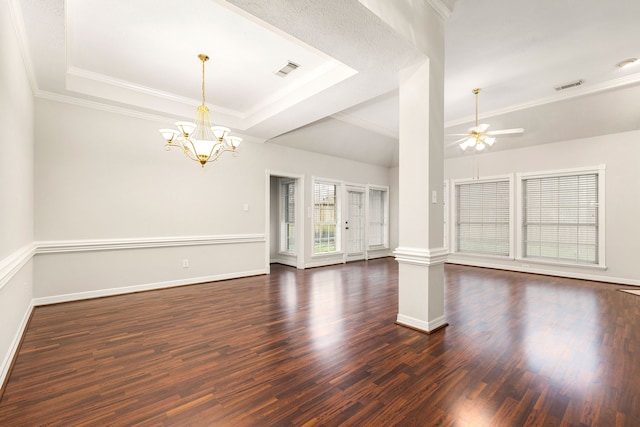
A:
[482,218]
[377,217]
[560,218]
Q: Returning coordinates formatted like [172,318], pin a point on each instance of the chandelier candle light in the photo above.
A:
[199,140]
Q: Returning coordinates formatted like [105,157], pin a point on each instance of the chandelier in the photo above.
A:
[199,140]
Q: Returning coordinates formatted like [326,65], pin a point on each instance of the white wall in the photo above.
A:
[620,154]
[115,212]
[16,192]
[102,175]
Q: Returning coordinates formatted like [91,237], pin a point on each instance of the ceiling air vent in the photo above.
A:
[286,69]
[570,85]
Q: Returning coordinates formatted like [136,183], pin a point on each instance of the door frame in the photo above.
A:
[359,256]
[299,179]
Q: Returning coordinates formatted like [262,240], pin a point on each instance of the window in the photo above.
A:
[287,216]
[483,217]
[378,221]
[325,218]
[561,218]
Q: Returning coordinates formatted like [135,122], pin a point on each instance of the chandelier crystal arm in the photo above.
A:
[189,153]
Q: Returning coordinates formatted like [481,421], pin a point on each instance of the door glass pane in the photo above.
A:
[355,233]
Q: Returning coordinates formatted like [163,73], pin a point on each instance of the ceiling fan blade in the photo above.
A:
[506,131]
[457,134]
[481,127]
[451,144]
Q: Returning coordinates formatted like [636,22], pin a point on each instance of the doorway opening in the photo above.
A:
[284,225]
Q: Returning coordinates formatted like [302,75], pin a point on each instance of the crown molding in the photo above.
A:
[101,106]
[23,42]
[365,124]
[440,8]
[42,94]
[570,94]
[127,85]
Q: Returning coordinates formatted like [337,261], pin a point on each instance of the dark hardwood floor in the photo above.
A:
[320,347]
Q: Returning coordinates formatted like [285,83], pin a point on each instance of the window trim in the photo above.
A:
[521,177]
[446,207]
[453,206]
[338,238]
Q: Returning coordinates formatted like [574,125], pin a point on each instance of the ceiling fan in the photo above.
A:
[478,135]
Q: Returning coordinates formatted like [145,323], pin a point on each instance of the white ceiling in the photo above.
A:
[141,55]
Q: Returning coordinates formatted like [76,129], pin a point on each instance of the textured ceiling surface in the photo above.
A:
[140,56]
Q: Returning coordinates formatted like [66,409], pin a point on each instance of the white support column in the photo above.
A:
[420,254]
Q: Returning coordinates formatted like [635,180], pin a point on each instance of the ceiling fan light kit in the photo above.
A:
[478,135]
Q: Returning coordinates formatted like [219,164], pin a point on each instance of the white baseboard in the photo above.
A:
[15,344]
[323,263]
[422,325]
[532,269]
[378,254]
[284,261]
[146,287]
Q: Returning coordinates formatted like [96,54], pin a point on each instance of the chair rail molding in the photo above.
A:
[12,264]
[61,246]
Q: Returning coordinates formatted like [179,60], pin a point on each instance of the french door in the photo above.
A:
[354,224]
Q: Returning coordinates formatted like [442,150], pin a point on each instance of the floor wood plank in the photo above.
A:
[319,347]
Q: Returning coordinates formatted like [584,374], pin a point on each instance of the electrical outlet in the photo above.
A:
[185,263]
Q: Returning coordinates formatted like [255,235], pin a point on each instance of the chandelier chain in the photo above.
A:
[203,61]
